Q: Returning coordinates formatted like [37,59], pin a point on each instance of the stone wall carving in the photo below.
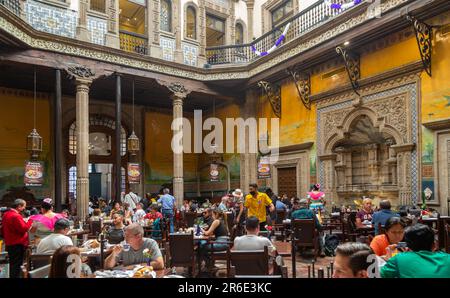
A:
[391,107]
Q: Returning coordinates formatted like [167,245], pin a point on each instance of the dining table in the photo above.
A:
[283,248]
[125,272]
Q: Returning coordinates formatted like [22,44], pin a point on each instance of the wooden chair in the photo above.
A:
[304,234]
[95,228]
[181,251]
[189,218]
[443,221]
[217,255]
[255,262]
[447,238]
[35,261]
[281,215]
[41,272]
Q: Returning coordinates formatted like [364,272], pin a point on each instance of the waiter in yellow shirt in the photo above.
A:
[256,203]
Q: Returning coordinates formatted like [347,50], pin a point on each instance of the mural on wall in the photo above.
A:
[427,159]
[13,133]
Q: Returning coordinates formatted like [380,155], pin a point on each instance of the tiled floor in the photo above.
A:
[302,263]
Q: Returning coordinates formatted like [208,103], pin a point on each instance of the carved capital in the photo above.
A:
[178,90]
[80,73]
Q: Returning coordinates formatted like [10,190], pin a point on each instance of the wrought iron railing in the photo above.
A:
[133,42]
[98,5]
[308,19]
[12,5]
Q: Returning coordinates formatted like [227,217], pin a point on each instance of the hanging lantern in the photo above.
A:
[34,143]
[133,144]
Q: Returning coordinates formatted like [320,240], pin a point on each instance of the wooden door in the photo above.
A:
[287,181]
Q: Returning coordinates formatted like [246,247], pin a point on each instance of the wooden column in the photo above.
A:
[57,148]
[83,77]
[118,157]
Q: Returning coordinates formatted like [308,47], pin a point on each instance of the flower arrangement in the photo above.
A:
[147,255]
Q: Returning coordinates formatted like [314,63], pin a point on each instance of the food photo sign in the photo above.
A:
[134,173]
[34,173]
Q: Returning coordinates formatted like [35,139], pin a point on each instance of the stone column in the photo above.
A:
[83,77]
[112,36]
[248,158]
[82,31]
[250,6]
[57,143]
[179,93]
[329,177]
[404,176]
[373,164]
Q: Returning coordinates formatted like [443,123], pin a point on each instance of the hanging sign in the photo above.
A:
[214,172]
[134,173]
[264,167]
[34,173]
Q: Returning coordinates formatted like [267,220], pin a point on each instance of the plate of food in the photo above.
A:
[133,173]
[33,174]
[144,272]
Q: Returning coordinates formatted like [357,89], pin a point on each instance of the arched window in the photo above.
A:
[191,23]
[166,16]
[98,141]
[239,34]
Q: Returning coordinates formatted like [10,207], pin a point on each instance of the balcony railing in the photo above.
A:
[305,21]
[12,5]
[133,42]
[98,5]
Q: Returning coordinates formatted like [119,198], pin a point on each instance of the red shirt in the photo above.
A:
[15,229]
[153,216]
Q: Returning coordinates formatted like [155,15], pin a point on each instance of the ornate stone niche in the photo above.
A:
[366,144]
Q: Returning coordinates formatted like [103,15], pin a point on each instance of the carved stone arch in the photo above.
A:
[390,130]
[353,116]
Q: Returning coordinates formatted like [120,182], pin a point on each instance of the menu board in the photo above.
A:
[134,173]
[263,167]
[34,173]
[214,172]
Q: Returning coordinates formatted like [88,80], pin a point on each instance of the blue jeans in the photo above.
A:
[168,213]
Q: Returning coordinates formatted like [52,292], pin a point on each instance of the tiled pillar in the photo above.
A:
[83,33]
[112,36]
[178,27]
[153,28]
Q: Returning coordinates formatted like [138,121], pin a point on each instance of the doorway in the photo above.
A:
[287,181]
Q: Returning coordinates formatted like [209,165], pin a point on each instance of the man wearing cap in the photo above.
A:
[256,203]
[49,244]
[305,213]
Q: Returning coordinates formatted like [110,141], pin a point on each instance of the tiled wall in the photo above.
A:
[190,54]
[168,48]
[98,29]
[51,19]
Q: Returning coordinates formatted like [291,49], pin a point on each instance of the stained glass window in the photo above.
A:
[166,16]
[191,23]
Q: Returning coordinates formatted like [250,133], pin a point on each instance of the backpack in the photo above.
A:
[330,244]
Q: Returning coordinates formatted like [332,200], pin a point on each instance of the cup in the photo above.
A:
[125,246]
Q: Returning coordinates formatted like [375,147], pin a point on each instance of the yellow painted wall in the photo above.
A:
[297,123]
[396,55]
[158,151]
[16,122]
[436,90]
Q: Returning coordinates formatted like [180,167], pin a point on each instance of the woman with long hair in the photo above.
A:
[61,261]
[218,228]
[44,223]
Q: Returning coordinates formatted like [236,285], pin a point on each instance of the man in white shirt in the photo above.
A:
[252,241]
[139,214]
[58,238]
